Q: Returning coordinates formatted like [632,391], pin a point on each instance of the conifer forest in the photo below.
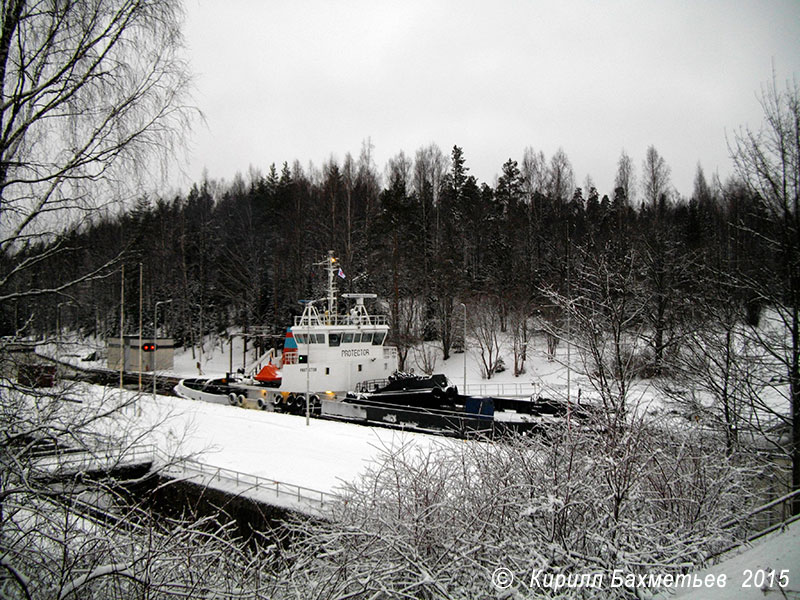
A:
[678,309]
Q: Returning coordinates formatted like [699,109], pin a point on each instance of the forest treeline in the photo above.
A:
[424,235]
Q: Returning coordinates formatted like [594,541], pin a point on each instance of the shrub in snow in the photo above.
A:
[439,524]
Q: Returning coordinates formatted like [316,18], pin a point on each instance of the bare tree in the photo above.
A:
[349,177]
[727,377]
[399,171]
[93,96]
[655,178]
[560,177]
[521,335]
[425,356]
[768,161]
[626,177]
[430,167]
[602,318]
[70,529]
[407,327]
[484,325]
[533,172]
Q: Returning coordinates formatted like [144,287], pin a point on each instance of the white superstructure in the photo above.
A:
[335,352]
[325,355]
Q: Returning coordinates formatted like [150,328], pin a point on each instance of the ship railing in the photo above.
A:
[371,385]
[324,320]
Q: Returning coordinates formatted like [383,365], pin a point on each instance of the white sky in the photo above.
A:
[310,80]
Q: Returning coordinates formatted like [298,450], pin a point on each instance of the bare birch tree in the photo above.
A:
[626,177]
[655,177]
[560,177]
[92,101]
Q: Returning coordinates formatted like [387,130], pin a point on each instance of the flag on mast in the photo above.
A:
[341,273]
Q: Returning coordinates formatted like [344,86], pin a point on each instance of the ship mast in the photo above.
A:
[332,267]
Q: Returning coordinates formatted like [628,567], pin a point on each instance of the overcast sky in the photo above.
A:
[311,80]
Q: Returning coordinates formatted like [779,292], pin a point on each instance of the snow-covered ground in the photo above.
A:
[323,455]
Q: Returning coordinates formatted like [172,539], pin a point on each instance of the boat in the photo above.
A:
[336,365]
[431,403]
[325,354]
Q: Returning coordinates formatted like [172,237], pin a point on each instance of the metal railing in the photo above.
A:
[371,385]
[322,320]
[746,520]
[513,389]
[270,487]
[110,457]
[784,503]
[95,459]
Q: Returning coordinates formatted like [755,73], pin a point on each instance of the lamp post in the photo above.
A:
[308,369]
[464,306]
[155,347]
[309,308]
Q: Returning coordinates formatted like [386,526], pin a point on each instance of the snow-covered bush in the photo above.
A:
[440,524]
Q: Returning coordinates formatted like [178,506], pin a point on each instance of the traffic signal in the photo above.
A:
[149,347]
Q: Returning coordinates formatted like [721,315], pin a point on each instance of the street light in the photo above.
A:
[464,306]
[155,346]
[308,368]
[309,304]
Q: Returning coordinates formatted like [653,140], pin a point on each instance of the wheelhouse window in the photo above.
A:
[334,339]
[366,337]
[311,338]
[378,338]
[347,338]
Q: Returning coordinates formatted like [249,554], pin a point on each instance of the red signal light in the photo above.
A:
[149,347]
